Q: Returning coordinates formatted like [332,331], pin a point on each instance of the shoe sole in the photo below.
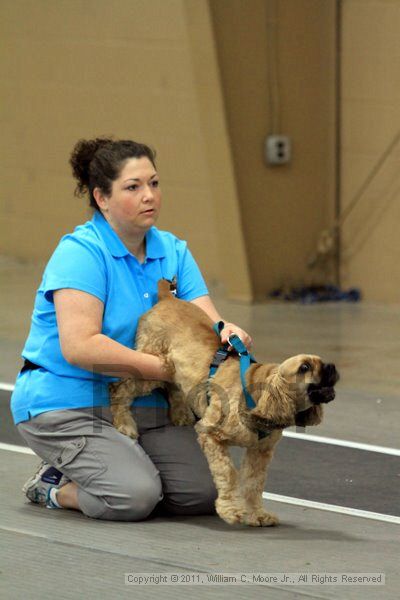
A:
[29,487]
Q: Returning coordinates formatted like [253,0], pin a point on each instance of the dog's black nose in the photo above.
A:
[330,376]
[320,395]
[324,392]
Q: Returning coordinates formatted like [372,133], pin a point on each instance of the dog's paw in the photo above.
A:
[230,512]
[232,517]
[129,431]
[261,518]
[127,427]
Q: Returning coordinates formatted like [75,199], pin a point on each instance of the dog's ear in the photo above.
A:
[311,416]
[275,409]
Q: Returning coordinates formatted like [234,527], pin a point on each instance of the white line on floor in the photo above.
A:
[354,512]
[344,510]
[24,532]
[14,448]
[346,443]
[8,387]
[302,436]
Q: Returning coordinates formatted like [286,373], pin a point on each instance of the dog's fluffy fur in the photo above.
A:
[291,393]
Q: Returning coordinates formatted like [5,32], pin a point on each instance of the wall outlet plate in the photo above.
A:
[278,149]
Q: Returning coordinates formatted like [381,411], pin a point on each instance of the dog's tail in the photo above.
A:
[165,289]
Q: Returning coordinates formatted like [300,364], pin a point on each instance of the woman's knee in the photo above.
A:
[131,502]
[198,502]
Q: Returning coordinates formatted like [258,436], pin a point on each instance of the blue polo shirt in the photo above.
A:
[93,259]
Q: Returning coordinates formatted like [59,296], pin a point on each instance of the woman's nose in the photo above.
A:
[148,193]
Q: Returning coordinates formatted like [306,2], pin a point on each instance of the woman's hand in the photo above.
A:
[231,328]
[206,304]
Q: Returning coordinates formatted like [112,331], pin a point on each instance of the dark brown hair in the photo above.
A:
[98,162]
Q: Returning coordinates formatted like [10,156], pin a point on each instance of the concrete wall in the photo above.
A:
[370,121]
[204,82]
[81,68]
[277,62]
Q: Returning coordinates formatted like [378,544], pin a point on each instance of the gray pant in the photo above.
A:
[119,478]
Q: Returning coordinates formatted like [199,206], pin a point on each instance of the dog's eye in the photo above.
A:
[304,368]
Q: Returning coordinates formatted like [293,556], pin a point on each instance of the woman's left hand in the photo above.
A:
[231,328]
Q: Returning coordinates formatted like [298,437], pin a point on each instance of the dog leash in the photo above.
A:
[245,360]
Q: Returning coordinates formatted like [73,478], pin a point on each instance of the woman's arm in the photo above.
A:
[207,305]
[79,319]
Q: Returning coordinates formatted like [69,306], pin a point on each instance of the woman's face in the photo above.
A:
[135,200]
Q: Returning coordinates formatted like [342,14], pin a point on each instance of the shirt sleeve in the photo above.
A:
[190,282]
[76,264]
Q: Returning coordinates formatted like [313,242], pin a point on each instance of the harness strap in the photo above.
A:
[221,354]
[219,357]
[245,360]
[218,327]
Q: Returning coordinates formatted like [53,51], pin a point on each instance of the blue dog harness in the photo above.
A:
[245,359]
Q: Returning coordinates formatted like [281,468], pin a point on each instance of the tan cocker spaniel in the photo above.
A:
[286,394]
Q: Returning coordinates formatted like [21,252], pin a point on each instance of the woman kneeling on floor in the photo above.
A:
[98,282]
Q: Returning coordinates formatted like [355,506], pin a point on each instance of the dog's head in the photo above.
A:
[294,391]
[311,380]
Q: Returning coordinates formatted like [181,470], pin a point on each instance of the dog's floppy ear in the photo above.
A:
[311,416]
[274,410]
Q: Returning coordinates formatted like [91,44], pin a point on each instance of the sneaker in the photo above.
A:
[37,488]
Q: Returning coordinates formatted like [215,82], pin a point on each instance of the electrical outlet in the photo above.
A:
[277,149]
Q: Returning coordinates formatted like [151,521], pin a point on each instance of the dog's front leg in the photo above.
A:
[253,471]
[225,478]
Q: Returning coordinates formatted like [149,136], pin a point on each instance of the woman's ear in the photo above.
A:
[311,416]
[100,199]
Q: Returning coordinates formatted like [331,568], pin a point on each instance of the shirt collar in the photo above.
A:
[154,245]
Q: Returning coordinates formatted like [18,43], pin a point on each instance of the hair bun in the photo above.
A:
[81,157]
